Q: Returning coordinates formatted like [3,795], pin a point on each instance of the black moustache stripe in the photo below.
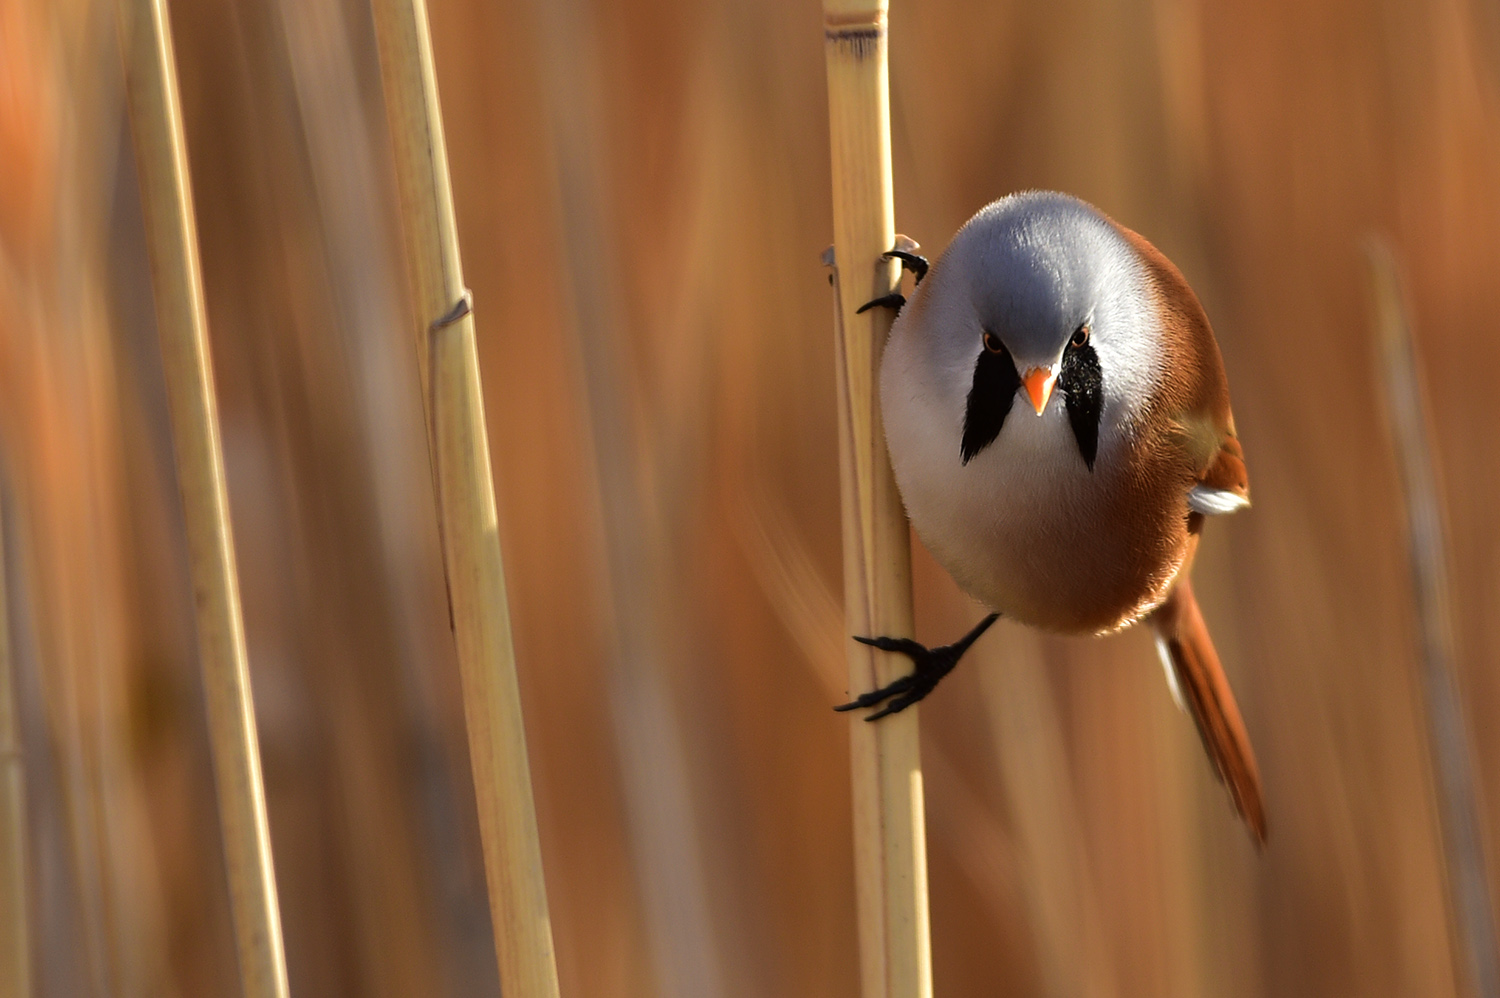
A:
[1082,383]
[995,385]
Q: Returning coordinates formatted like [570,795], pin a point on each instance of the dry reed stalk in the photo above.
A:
[15,946]
[1399,374]
[449,363]
[808,608]
[890,852]
[171,235]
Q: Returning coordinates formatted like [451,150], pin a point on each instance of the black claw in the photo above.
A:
[914,262]
[461,308]
[894,300]
[905,646]
[929,666]
[874,697]
[899,704]
[911,261]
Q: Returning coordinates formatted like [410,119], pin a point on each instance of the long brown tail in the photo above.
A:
[1205,693]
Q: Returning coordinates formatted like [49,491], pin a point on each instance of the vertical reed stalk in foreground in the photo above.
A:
[449,364]
[15,947]
[171,234]
[890,853]
[1452,758]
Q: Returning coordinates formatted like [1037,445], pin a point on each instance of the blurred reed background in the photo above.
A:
[642,193]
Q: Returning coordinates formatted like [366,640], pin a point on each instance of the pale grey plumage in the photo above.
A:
[1030,267]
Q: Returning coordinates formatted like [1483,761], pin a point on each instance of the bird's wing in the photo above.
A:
[1195,390]
[1221,484]
[1214,502]
[1223,487]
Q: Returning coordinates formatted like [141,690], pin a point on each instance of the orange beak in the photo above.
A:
[1039,382]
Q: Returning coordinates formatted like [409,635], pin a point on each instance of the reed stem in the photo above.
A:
[171,235]
[890,852]
[1399,373]
[449,364]
[15,945]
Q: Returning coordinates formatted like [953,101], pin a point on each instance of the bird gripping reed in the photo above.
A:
[449,364]
[889,843]
[177,285]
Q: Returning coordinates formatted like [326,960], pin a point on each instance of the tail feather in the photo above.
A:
[1202,689]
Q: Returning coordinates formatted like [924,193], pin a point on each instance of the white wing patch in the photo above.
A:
[1215,502]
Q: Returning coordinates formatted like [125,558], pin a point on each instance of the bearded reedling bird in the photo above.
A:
[1058,421]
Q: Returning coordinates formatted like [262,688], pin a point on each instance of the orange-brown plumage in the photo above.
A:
[1207,696]
[1196,387]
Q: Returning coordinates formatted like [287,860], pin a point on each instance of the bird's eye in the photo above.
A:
[1080,336]
[992,343]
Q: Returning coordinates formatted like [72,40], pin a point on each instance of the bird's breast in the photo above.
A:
[1027,528]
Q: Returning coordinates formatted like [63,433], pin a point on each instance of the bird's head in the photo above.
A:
[1040,297]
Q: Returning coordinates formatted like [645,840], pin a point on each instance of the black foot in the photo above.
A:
[893,300]
[931,665]
[914,262]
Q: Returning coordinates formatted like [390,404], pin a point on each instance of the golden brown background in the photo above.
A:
[643,191]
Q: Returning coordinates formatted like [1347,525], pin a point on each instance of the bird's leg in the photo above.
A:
[905,251]
[929,666]
[914,262]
